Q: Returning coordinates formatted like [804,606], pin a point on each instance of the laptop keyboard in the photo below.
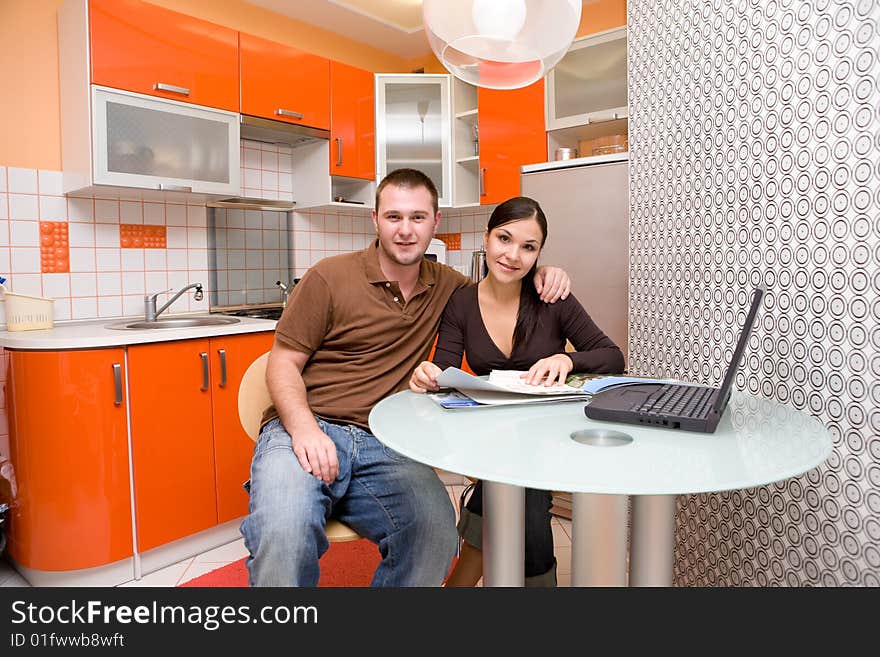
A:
[678,401]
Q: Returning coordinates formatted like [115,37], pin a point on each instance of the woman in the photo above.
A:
[502,324]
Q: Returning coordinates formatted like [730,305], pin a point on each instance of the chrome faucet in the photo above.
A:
[150,312]
[285,292]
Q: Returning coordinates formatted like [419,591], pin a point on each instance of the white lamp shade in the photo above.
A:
[500,44]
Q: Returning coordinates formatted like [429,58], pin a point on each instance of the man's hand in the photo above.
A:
[552,284]
[316,454]
[554,368]
[424,377]
[313,448]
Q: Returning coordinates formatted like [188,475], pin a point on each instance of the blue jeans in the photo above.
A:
[393,501]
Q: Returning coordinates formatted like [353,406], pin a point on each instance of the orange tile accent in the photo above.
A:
[451,240]
[137,236]
[54,248]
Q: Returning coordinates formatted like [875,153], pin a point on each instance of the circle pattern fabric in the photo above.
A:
[755,159]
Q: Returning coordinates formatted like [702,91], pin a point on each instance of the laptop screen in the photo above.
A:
[727,384]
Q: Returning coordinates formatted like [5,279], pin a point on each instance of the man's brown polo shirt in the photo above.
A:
[364,340]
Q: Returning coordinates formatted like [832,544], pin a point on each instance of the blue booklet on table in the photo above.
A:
[592,386]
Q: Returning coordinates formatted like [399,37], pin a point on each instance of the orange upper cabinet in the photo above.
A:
[284,83]
[352,122]
[147,49]
[512,133]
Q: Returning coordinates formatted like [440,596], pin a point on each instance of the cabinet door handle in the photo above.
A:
[117,380]
[222,353]
[205,382]
[290,113]
[174,188]
[161,86]
[339,151]
[482,182]
[601,118]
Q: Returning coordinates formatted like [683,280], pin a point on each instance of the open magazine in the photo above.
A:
[503,387]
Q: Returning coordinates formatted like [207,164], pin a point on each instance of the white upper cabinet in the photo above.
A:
[413,126]
[154,143]
[589,84]
[116,137]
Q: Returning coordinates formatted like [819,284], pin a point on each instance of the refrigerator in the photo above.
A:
[586,201]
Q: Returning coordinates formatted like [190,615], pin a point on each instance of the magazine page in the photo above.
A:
[511,380]
[499,381]
[453,399]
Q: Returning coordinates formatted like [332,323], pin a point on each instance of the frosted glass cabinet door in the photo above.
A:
[162,144]
[588,85]
[413,128]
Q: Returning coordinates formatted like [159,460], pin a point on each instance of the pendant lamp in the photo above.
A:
[500,44]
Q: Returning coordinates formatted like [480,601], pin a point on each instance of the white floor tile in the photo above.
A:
[455,494]
[566,525]
[563,560]
[9,576]
[223,554]
[6,572]
[560,537]
[14,580]
[197,569]
[168,576]
[450,478]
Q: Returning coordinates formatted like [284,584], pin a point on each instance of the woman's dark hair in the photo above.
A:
[517,209]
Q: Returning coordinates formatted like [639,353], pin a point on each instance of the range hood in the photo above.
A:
[279,132]
[273,132]
[251,203]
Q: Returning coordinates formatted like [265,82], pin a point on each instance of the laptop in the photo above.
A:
[685,406]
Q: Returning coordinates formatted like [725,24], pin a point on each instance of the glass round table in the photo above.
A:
[553,446]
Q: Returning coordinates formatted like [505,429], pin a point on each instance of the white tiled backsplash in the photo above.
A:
[249,250]
[265,170]
[334,230]
[97,257]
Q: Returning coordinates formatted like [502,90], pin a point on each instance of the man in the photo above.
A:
[352,332]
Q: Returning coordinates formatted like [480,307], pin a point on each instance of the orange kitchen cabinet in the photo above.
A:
[464,364]
[512,133]
[284,83]
[233,449]
[172,440]
[68,444]
[137,46]
[352,122]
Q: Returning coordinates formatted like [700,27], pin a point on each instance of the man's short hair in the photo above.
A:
[409,178]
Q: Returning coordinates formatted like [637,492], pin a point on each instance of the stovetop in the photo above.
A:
[256,313]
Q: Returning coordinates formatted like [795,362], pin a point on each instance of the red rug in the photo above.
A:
[344,564]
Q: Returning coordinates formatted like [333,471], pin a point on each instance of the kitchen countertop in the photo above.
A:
[94,333]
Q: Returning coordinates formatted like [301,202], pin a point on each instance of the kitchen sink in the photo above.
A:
[174,322]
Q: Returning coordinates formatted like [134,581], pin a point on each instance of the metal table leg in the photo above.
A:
[653,540]
[504,534]
[598,541]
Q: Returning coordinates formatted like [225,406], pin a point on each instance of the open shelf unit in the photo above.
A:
[465,145]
